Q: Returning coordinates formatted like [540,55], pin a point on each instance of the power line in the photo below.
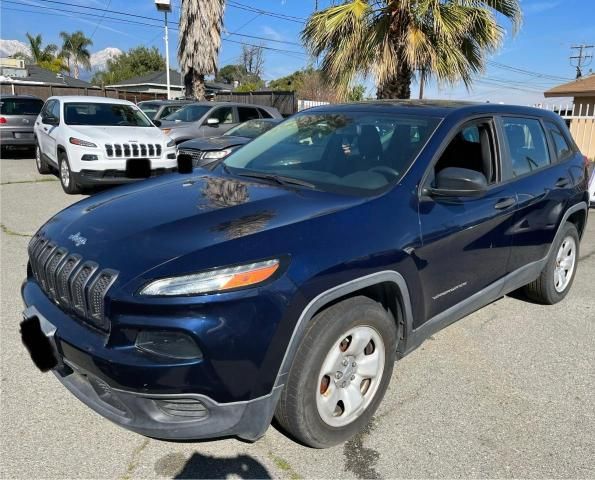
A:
[109,2]
[526,72]
[281,16]
[583,58]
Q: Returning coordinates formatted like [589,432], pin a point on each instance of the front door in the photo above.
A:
[465,240]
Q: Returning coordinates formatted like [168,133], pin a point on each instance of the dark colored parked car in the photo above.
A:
[205,151]
[158,109]
[287,280]
[17,117]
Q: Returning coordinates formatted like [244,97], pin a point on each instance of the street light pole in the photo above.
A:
[165,7]
[167,57]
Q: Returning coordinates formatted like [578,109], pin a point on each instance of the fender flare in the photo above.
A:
[339,291]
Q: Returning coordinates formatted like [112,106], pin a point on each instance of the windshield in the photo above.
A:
[189,113]
[20,106]
[150,109]
[352,152]
[104,114]
[251,129]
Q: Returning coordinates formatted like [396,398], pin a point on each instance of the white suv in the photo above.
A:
[96,140]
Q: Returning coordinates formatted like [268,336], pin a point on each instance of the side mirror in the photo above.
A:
[48,120]
[157,123]
[212,122]
[458,182]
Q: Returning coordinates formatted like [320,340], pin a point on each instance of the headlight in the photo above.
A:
[213,281]
[81,143]
[171,143]
[217,155]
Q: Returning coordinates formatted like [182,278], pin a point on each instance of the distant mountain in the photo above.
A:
[99,59]
[10,47]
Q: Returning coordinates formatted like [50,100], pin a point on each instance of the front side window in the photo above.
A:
[20,106]
[563,149]
[527,145]
[56,110]
[223,114]
[189,113]
[104,114]
[350,152]
[473,148]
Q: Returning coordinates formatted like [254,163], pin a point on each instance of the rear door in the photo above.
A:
[227,119]
[466,240]
[543,181]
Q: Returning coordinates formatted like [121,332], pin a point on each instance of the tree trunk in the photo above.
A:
[398,86]
[194,85]
[76,69]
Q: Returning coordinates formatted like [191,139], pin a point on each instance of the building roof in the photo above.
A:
[583,87]
[36,74]
[160,79]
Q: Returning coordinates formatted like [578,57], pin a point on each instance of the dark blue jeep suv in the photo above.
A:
[286,280]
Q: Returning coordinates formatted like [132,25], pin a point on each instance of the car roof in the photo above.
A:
[10,95]
[90,99]
[436,108]
[230,104]
[167,102]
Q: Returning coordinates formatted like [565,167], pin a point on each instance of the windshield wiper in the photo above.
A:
[280,179]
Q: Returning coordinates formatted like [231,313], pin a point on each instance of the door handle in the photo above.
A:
[45,129]
[505,203]
[562,182]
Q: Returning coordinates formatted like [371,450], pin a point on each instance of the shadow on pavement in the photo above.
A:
[205,466]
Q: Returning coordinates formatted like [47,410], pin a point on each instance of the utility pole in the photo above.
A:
[165,7]
[422,81]
[583,59]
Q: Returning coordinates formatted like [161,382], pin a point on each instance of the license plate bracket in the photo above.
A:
[38,344]
[138,168]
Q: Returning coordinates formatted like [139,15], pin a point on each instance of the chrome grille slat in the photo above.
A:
[132,150]
[76,285]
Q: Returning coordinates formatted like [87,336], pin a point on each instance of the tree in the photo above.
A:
[230,74]
[45,57]
[252,59]
[75,50]
[289,83]
[356,94]
[133,63]
[393,39]
[200,40]
[309,84]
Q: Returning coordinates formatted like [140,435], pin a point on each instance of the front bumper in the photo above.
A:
[114,177]
[184,416]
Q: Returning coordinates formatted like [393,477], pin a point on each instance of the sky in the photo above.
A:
[542,46]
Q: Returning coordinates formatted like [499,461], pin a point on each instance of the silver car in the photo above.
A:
[17,117]
[211,119]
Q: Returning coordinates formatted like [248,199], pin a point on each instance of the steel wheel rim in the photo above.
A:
[38,157]
[350,376]
[565,264]
[64,174]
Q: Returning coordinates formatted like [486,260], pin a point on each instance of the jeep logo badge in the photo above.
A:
[78,239]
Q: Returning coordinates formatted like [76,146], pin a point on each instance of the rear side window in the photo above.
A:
[264,113]
[246,113]
[527,145]
[563,149]
[20,106]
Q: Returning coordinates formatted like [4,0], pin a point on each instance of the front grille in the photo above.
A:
[133,150]
[78,286]
[195,154]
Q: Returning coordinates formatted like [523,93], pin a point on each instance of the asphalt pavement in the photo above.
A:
[507,392]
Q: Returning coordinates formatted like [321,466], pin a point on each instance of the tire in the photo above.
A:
[555,281]
[311,408]
[42,167]
[67,177]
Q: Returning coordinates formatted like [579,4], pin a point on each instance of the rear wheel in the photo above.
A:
[340,373]
[67,176]
[40,163]
[556,278]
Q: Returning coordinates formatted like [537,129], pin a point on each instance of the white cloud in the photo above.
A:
[10,47]
[539,6]
[271,32]
[99,59]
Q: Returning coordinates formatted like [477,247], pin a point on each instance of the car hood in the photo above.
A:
[118,134]
[214,143]
[193,219]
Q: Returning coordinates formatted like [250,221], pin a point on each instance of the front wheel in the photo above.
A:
[555,280]
[42,167]
[340,373]
[67,177]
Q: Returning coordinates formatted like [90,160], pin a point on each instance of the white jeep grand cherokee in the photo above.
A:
[95,140]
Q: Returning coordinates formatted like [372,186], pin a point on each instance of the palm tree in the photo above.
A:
[75,50]
[46,56]
[393,39]
[200,39]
